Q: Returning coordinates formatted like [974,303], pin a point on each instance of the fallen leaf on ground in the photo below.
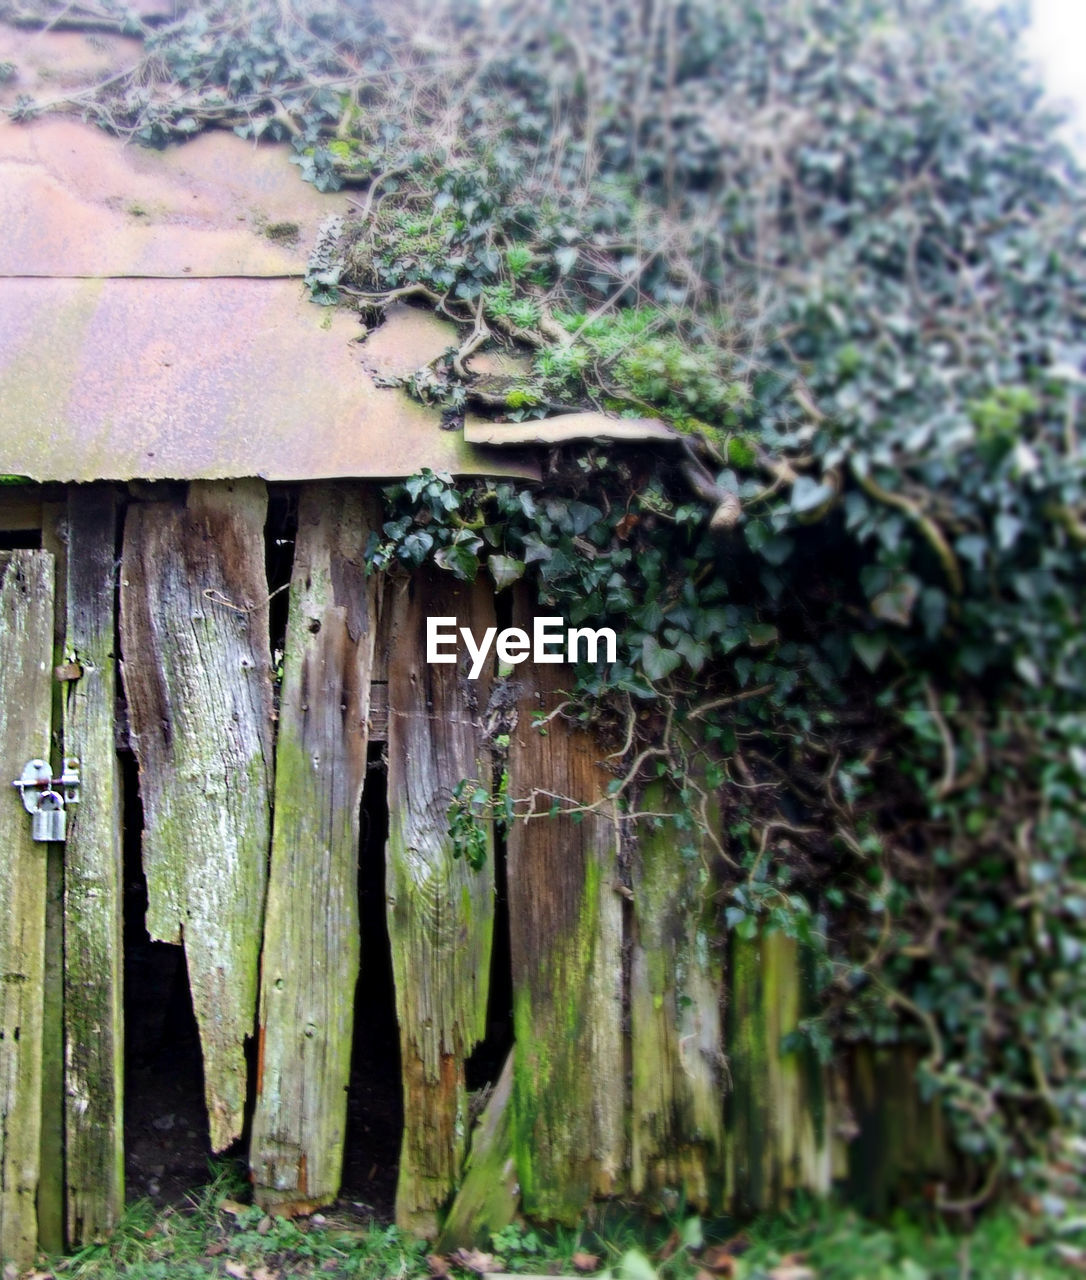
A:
[585,1261]
[265,1273]
[438,1265]
[477,1261]
[726,1268]
[791,1271]
[295,1208]
[213,1250]
[720,1258]
[232,1206]
[238,1270]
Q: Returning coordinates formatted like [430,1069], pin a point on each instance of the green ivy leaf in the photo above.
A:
[657,662]
[870,648]
[505,570]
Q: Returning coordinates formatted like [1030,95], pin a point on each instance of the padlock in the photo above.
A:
[49,821]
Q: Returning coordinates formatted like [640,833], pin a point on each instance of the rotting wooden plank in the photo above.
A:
[196,665]
[93,878]
[779,1127]
[26,664]
[676,1032]
[898,1143]
[311,932]
[51,1234]
[489,1192]
[440,909]
[566,932]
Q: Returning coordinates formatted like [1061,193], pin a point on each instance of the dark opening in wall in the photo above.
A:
[167,1146]
[20,539]
[280,534]
[485,1064]
[375,1100]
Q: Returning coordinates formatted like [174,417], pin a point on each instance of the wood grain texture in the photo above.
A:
[311,932]
[26,664]
[489,1193]
[676,1031]
[566,934]
[51,1213]
[440,909]
[197,677]
[93,879]
[780,1130]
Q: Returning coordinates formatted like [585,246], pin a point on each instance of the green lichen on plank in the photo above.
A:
[489,1192]
[775,1144]
[440,908]
[26,650]
[311,932]
[197,674]
[306,1013]
[676,1036]
[569,1091]
[564,1127]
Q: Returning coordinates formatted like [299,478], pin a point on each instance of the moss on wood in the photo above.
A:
[489,1192]
[676,1033]
[778,1135]
[440,907]
[311,933]
[197,674]
[565,918]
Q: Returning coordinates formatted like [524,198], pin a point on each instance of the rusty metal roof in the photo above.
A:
[153,320]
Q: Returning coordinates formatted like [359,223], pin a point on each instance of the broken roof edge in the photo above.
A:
[569,428]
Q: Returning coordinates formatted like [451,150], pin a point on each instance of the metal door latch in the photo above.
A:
[46,799]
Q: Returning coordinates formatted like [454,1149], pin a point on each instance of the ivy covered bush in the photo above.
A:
[839,246]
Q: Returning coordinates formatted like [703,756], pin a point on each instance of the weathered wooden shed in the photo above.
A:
[185,618]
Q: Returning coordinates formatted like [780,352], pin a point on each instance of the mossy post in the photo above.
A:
[440,907]
[779,1130]
[197,675]
[93,878]
[676,1031]
[26,666]
[566,930]
[311,931]
[489,1192]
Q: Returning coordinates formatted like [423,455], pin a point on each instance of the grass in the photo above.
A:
[215,1235]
